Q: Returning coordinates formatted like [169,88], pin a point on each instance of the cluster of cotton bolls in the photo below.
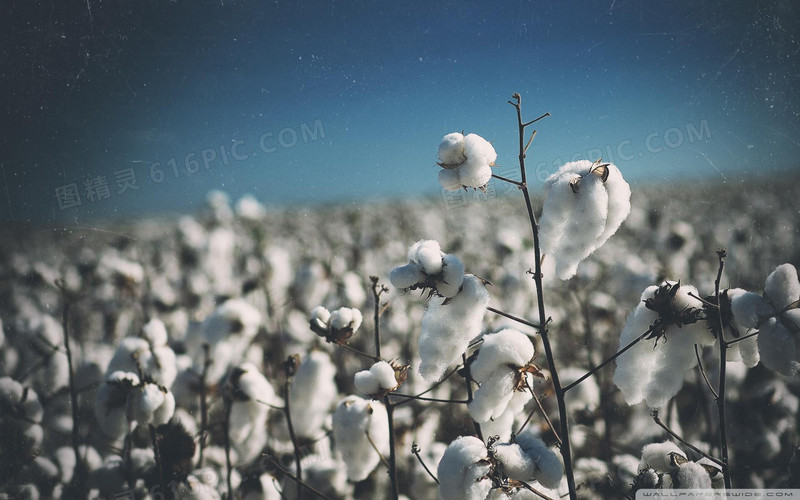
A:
[665,466]
[169,317]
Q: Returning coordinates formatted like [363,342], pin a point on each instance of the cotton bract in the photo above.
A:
[354,419]
[497,370]
[654,374]
[585,205]
[447,327]
[464,470]
[466,161]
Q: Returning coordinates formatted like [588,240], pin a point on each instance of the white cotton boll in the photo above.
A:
[778,347]
[659,456]
[506,347]
[366,383]
[126,354]
[346,317]
[249,208]
[463,469]
[111,403]
[451,149]
[449,180]
[405,276]
[717,478]
[474,174]
[746,308]
[452,276]
[548,467]
[447,329]
[492,397]
[517,464]
[320,317]
[234,316]
[692,475]
[164,413]
[619,203]
[429,256]
[635,366]
[143,401]
[155,333]
[384,375]
[479,150]
[313,388]
[353,419]
[782,287]
[581,212]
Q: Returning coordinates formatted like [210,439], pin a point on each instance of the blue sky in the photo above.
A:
[347,101]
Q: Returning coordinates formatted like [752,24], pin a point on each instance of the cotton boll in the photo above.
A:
[320,317]
[313,388]
[692,475]
[549,468]
[517,464]
[619,203]
[143,401]
[452,276]
[111,403]
[778,347]
[353,419]
[449,180]
[451,150]
[474,174]
[463,470]
[126,355]
[661,457]
[448,328]
[250,209]
[714,471]
[366,383]
[429,256]
[479,150]
[747,308]
[345,318]
[782,287]
[251,394]
[405,276]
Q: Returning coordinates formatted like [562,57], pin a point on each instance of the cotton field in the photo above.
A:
[233,353]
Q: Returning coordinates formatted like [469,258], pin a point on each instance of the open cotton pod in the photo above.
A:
[467,161]
[585,205]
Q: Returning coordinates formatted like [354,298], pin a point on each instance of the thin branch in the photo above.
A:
[529,142]
[426,391]
[566,451]
[415,451]
[657,420]
[204,403]
[410,397]
[506,179]
[534,490]
[723,347]
[359,352]
[740,339]
[375,447]
[290,366]
[514,318]
[227,443]
[608,360]
[297,480]
[703,372]
[159,465]
[377,291]
[544,414]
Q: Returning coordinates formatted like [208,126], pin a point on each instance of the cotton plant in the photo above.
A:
[503,371]
[361,434]
[654,371]
[429,269]
[775,315]
[586,202]
[449,325]
[665,466]
[466,161]
[337,326]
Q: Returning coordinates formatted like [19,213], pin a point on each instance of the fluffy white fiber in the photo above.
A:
[353,419]
[581,212]
[228,330]
[655,374]
[429,266]
[659,456]
[496,370]
[251,390]
[463,469]
[111,402]
[380,377]
[692,475]
[530,459]
[313,389]
[467,161]
[448,328]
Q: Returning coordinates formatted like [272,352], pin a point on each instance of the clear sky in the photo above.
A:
[133,108]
